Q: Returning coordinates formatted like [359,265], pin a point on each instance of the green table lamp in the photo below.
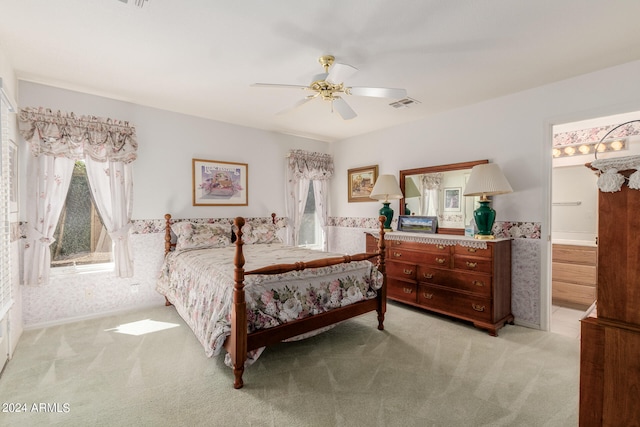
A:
[385,188]
[486,180]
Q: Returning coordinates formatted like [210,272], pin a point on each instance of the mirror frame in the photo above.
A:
[433,169]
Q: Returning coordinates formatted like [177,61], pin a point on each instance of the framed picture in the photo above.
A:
[361,182]
[217,183]
[418,224]
[452,198]
[13,177]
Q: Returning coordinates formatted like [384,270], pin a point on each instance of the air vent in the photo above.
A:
[404,103]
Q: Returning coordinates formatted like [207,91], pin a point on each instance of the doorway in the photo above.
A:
[574,215]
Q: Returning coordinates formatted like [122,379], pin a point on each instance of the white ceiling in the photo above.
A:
[199,57]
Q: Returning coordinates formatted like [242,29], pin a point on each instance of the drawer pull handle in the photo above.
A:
[440,260]
[396,243]
[427,296]
[440,246]
[477,307]
[472,250]
[427,275]
[407,290]
[397,254]
[407,271]
[472,264]
[478,283]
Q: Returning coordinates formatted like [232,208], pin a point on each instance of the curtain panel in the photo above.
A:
[305,167]
[56,141]
[430,185]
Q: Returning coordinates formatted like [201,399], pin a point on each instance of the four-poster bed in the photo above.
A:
[275,294]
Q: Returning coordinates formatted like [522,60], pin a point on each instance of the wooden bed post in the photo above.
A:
[167,234]
[167,244]
[238,337]
[382,295]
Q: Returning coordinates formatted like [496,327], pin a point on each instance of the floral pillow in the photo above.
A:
[199,236]
[259,233]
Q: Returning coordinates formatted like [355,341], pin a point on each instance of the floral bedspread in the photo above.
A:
[199,283]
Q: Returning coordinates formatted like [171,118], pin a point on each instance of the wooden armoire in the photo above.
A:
[610,341]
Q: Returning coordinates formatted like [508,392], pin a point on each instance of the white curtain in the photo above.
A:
[56,141]
[430,184]
[112,188]
[303,168]
[320,193]
[47,185]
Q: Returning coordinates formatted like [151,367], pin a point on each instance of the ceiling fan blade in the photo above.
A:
[272,85]
[338,73]
[297,104]
[343,108]
[379,92]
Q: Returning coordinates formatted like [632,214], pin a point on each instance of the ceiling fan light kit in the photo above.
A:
[330,84]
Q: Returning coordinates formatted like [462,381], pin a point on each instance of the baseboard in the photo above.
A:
[526,324]
[89,317]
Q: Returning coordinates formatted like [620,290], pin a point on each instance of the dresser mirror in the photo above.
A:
[438,191]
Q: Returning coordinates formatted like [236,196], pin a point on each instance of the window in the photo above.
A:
[310,226]
[80,237]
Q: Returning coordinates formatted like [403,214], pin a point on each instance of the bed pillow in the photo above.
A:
[199,236]
[259,233]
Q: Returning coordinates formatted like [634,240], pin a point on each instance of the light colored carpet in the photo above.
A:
[423,370]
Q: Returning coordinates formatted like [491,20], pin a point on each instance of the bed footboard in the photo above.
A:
[239,342]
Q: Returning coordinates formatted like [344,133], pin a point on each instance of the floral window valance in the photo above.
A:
[310,165]
[62,134]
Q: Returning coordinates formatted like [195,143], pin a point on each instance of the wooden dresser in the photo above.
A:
[610,342]
[453,275]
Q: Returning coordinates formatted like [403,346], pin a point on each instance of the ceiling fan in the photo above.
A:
[330,84]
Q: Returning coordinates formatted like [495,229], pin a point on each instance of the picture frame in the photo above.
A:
[360,182]
[13,176]
[220,183]
[418,224]
[452,199]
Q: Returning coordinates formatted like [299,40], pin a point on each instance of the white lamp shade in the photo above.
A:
[410,188]
[386,188]
[487,180]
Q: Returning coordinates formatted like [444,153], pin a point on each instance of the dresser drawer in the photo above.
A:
[470,282]
[483,265]
[402,270]
[401,290]
[428,258]
[416,246]
[465,250]
[454,303]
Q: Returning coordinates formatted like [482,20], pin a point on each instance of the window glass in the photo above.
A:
[81,237]
[309,229]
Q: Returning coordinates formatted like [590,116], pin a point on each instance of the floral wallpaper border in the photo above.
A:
[516,230]
[590,135]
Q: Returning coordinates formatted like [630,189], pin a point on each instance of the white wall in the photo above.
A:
[514,131]
[167,142]
[575,205]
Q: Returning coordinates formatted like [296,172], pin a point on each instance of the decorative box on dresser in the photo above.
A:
[457,276]
[610,339]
